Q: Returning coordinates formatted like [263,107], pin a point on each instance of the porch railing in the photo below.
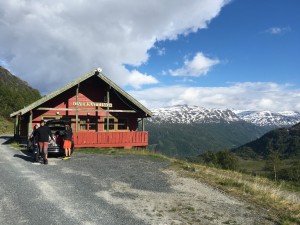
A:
[111,139]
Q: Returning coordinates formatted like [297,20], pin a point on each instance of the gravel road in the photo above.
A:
[102,189]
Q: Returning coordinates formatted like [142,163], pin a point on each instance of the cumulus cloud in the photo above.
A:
[198,66]
[49,43]
[248,95]
[137,79]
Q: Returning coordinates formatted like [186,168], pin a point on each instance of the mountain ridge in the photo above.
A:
[187,114]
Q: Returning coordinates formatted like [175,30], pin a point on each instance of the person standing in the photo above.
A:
[43,133]
[68,141]
[32,138]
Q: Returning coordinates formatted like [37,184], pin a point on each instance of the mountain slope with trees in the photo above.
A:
[14,95]
[188,140]
[283,141]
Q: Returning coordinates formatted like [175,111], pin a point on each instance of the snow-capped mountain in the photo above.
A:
[195,114]
[267,118]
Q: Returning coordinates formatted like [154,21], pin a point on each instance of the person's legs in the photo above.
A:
[66,152]
[44,151]
[41,148]
[67,147]
[69,152]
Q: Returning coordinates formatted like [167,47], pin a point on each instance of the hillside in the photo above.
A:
[186,140]
[14,95]
[285,141]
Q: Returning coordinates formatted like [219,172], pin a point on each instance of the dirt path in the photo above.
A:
[189,202]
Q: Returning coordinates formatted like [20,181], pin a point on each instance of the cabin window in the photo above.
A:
[83,124]
[87,123]
[92,123]
[122,124]
[111,124]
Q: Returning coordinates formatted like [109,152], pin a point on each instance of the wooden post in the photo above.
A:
[30,122]
[143,125]
[76,113]
[17,125]
[97,123]
[107,109]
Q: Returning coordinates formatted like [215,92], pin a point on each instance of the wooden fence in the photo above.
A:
[111,139]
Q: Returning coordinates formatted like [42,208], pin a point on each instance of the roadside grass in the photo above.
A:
[281,204]
[7,127]
[274,198]
[257,168]
[16,144]
[122,151]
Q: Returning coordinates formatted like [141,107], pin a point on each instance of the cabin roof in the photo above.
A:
[76,82]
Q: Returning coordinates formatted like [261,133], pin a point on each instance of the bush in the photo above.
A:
[222,159]
[291,173]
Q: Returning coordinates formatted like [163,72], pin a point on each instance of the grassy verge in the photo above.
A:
[16,145]
[121,151]
[6,127]
[257,168]
[281,204]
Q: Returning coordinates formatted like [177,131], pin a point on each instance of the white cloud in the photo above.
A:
[161,51]
[49,43]
[198,66]
[137,79]
[277,30]
[252,96]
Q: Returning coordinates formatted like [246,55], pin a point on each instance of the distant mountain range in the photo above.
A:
[184,131]
[267,118]
[185,114]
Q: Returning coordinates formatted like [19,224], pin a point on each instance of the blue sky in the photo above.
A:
[239,54]
[255,41]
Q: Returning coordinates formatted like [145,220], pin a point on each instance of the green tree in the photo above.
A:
[227,160]
[209,158]
[222,159]
[273,162]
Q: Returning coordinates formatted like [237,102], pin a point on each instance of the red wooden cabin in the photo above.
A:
[101,113]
